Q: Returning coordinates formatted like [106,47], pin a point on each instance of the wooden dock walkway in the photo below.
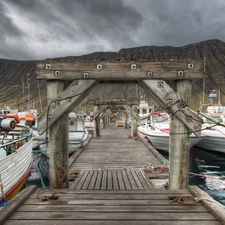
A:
[104,192]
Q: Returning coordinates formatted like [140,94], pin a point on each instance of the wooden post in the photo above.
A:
[125,120]
[134,123]
[104,122]
[58,141]
[179,143]
[96,123]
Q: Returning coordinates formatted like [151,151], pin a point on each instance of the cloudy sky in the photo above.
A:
[40,29]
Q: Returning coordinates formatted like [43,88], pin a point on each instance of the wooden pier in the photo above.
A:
[107,187]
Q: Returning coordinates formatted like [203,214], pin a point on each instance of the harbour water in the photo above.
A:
[207,171]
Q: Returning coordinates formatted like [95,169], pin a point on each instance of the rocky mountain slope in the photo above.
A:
[13,72]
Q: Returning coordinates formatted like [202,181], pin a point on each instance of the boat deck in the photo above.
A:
[108,187]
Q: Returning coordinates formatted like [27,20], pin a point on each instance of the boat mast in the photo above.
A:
[203,93]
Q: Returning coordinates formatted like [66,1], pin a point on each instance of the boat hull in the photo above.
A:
[15,169]
[160,140]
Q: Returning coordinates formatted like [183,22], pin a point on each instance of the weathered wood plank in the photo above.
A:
[104,222]
[75,93]
[82,180]
[88,179]
[121,65]
[104,180]
[119,70]
[93,180]
[114,216]
[132,181]
[14,204]
[98,180]
[115,180]
[76,181]
[110,208]
[109,181]
[126,180]
[120,180]
[164,95]
[216,208]
[137,181]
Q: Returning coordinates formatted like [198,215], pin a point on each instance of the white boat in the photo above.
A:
[157,131]
[16,159]
[143,111]
[214,134]
[77,135]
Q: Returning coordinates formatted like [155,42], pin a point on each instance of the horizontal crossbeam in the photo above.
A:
[119,70]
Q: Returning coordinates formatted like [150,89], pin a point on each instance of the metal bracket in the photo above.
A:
[150,74]
[48,66]
[133,66]
[57,73]
[86,74]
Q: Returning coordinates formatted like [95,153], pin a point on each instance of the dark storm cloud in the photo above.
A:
[39,29]
[7,27]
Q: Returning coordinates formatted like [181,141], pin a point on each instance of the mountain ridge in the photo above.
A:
[12,72]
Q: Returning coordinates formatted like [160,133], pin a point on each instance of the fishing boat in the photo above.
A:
[157,131]
[143,111]
[213,126]
[16,158]
[214,131]
[77,136]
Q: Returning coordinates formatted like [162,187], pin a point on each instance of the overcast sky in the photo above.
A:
[40,29]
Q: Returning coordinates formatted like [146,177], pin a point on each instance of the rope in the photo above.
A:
[45,194]
[187,200]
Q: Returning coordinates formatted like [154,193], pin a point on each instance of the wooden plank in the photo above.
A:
[98,180]
[74,93]
[132,181]
[93,180]
[119,70]
[104,180]
[120,65]
[104,222]
[136,178]
[109,181]
[76,181]
[14,204]
[110,208]
[164,95]
[120,180]
[115,216]
[82,180]
[118,202]
[215,207]
[115,180]
[126,180]
[144,181]
[88,179]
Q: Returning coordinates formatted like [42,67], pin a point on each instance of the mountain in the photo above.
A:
[13,72]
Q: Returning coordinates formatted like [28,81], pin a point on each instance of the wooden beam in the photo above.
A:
[169,100]
[114,102]
[65,102]
[58,141]
[119,70]
[179,143]
[134,123]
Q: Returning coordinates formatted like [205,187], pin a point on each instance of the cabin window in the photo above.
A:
[144,111]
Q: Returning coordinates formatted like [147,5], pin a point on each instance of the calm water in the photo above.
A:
[208,164]
[203,164]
